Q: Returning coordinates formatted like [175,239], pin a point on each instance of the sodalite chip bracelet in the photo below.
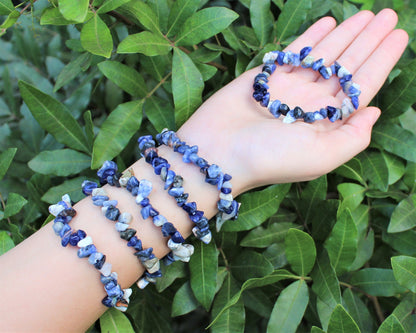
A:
[303,59]
[111,212]
[173,183]
[116,296]
[141,190]
[227,206]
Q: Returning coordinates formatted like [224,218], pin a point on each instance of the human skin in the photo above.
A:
[47,288]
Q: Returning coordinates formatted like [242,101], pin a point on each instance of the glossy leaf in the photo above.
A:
[6,158]
[125,77]
[403,242]
[146,42]
[352,195]
[110,5]
[71,187]
[180,11]
[160,113]
[405,312]
[257,206]
[14,204]
[233,319]
[342,243]
[250,264]
[187,86]
[74,10]
[6,243]
[375,169]
[264,237]
[291,18]
[358,311]
[404,269]
[71,70]
[169,274]
[205,24]
[391,325]
[116,131]
[54,117]
[300,251]
[353,170]
[203,266]
[404,215]
[161,9]
[142,14]
[89,127]
[6,7]
[342,322]
[289,308]
[376,282]
[314,192]
[63,162]
[115,321]
[396,140]
[96,37]
[261,20]
[395,166]
[53,16]
[184,301]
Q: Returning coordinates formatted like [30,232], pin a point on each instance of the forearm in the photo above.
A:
[61,292]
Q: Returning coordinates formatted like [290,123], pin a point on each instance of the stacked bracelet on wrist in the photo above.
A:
[303,59]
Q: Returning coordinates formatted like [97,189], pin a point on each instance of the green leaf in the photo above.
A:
[203,267]
[116,131]
[250,264]
[125,77]
[395,140]
[63,162]
[89,127]
[110,5]
[10,20]
[353,170]
[233,319]
[170,274]
[184,300]
[404,215]
[375,169]
[115,321]
[54,117]
[160,113]
[53,16]
[187,86]
[391,325]
[325,282]
[289,308]
[141,13]
[352,195]
[358,311]
[317,330]
[405,312]
[74,10]
[400,94]
[395,166]
[71,187]
[261,20]
[6,7]
[205,24]
[71,70]
[161,9]
[365,250]
[146,42]
[15,203]
[404,269]
[341,321]
[180,11]
[6,243]
[291,18]
[342,243]
[257,206]
[275,253]
[376,282]
[96,37]
[314,192]
[300,251]
[264,237]
[6,159]
[255,283]
[403,242]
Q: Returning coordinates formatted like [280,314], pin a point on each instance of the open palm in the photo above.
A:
[258,149]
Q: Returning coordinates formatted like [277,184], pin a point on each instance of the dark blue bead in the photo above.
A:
[97,259]
[109,168]
[74,238]
[323,112]
[304,52]
[233,210]
[156,274]
[144,141]
[114,291]
[280,57]
[261,77]
[345,79]
[177,238]
[64,230]
[127,234]
[176,191]
[353,91]
[86,251]
[66,238]
[269,68]
[337,66]
[355,102]
[226,190]
[135,191]
[153,212]
[112,213]
[168,229]
[202,223]
[88,186]
[145,212]
[151,156]
[133,241]
[145,202]
[109,301]
[324,72]
[204,229]
[258,95]
[298,112]
[144,254]
[201,162]
[309,117]
[107,279]
[265,100]
[333,113]
[189,207]
[131,183]
[196,216]
[227,177]
[63,219]
[284,109]
[168,259]
[317,64]
[182,148]
[170,177]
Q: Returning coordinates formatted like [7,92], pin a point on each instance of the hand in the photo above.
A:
[233,130]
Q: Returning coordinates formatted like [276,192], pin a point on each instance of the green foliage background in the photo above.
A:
[81,80]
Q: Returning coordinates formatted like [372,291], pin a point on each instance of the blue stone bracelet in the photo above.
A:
[173,184]
[63,212]
[303,59]
[111,212]
[141,190]
[227,206]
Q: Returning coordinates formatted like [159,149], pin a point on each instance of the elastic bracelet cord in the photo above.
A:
[227,206]
[141,190]
[304,60]
[63,212]
[112,213]
[173,184]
